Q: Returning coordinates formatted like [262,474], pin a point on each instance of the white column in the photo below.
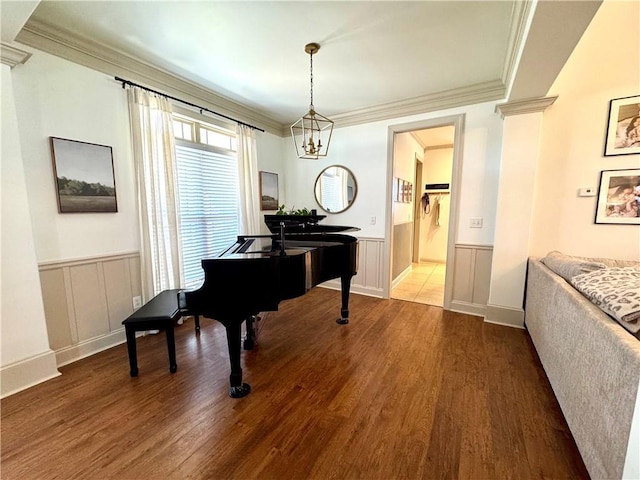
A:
[520,152]
[25,356]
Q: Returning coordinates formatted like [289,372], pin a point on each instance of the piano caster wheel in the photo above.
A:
[342,321]
[248,344]
[134,373]
[240,391]
[173,368]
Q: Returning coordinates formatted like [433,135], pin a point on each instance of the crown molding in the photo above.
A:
[517,37]
[91,54]
[521,107]
[12,56]
[468,95]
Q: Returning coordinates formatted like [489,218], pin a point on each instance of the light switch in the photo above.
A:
[476,222]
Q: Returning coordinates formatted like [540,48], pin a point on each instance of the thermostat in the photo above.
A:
[586,192]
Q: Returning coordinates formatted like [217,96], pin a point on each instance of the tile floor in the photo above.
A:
[425,284]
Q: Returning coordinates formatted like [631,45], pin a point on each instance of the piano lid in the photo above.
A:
[303,224]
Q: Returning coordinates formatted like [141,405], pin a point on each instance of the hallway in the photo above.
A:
[425,284]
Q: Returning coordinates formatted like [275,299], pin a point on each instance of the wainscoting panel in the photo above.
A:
[89,300]
[368,280]
[119,293]
[471,278]
[401,254]
[85,302]
[56,309]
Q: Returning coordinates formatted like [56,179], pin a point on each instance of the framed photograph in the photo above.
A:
[397,189]
[84,176]
[623,130]
[619,197]
[268,191]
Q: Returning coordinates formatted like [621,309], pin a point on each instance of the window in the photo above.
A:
[182,129]
[330,191]
[208,193]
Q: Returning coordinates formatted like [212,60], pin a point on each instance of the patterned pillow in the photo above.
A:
[616,291]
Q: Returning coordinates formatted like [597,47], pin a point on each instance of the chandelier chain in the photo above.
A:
[311,76]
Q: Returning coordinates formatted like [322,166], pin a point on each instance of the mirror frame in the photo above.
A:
[355,186]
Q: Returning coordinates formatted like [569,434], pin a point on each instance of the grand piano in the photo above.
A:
[258,271]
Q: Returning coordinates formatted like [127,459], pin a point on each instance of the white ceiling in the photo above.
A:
[396,56]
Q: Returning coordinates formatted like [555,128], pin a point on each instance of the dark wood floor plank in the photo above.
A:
[404,391]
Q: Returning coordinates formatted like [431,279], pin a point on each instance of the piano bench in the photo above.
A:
[160,313]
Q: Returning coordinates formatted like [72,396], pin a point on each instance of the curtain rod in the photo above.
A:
[128,82]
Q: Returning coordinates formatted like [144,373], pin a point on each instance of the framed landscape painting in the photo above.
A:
[619,197]
[268,191]
[623,129]
[84,176]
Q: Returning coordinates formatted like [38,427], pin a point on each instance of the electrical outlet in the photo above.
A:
[137,302]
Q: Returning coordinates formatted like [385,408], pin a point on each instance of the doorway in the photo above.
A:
[418,267]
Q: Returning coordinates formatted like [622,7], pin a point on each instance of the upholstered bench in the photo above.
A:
[160,313]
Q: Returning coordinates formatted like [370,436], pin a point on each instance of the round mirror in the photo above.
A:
[335,189]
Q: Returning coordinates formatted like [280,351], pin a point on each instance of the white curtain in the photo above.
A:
[248,179]
[156,177]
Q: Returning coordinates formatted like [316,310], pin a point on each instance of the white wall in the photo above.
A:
[433,237]
[364,150]
[57,98]
[23,330]
[405,149]
[605,65]
[21,302]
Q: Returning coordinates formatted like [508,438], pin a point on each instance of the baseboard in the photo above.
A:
[401,276]
[26,373]
[468,308]
[359,289]
[89,347]
[510,317]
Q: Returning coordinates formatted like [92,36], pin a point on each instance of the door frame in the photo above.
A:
[456,174]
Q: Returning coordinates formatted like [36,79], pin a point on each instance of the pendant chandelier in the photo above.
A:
[312,133]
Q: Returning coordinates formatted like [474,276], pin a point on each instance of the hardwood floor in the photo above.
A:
[403,391]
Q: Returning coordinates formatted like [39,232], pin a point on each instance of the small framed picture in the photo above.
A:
[623,129]
[619,197]
[268,191]
[84,176]
[397,189]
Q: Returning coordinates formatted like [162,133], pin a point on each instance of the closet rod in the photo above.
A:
[128,82]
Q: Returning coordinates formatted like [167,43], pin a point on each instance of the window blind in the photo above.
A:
[208,195]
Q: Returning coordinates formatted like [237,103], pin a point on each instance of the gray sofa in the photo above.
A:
[592,363]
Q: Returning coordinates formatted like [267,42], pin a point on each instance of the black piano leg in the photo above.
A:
[237,389]
[344,311]
[250,339]
[131,349]
[171,345]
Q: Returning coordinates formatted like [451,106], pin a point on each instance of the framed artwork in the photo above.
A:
[268,191]
[397,189]
[623,129]
[619,197]
[84,176]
